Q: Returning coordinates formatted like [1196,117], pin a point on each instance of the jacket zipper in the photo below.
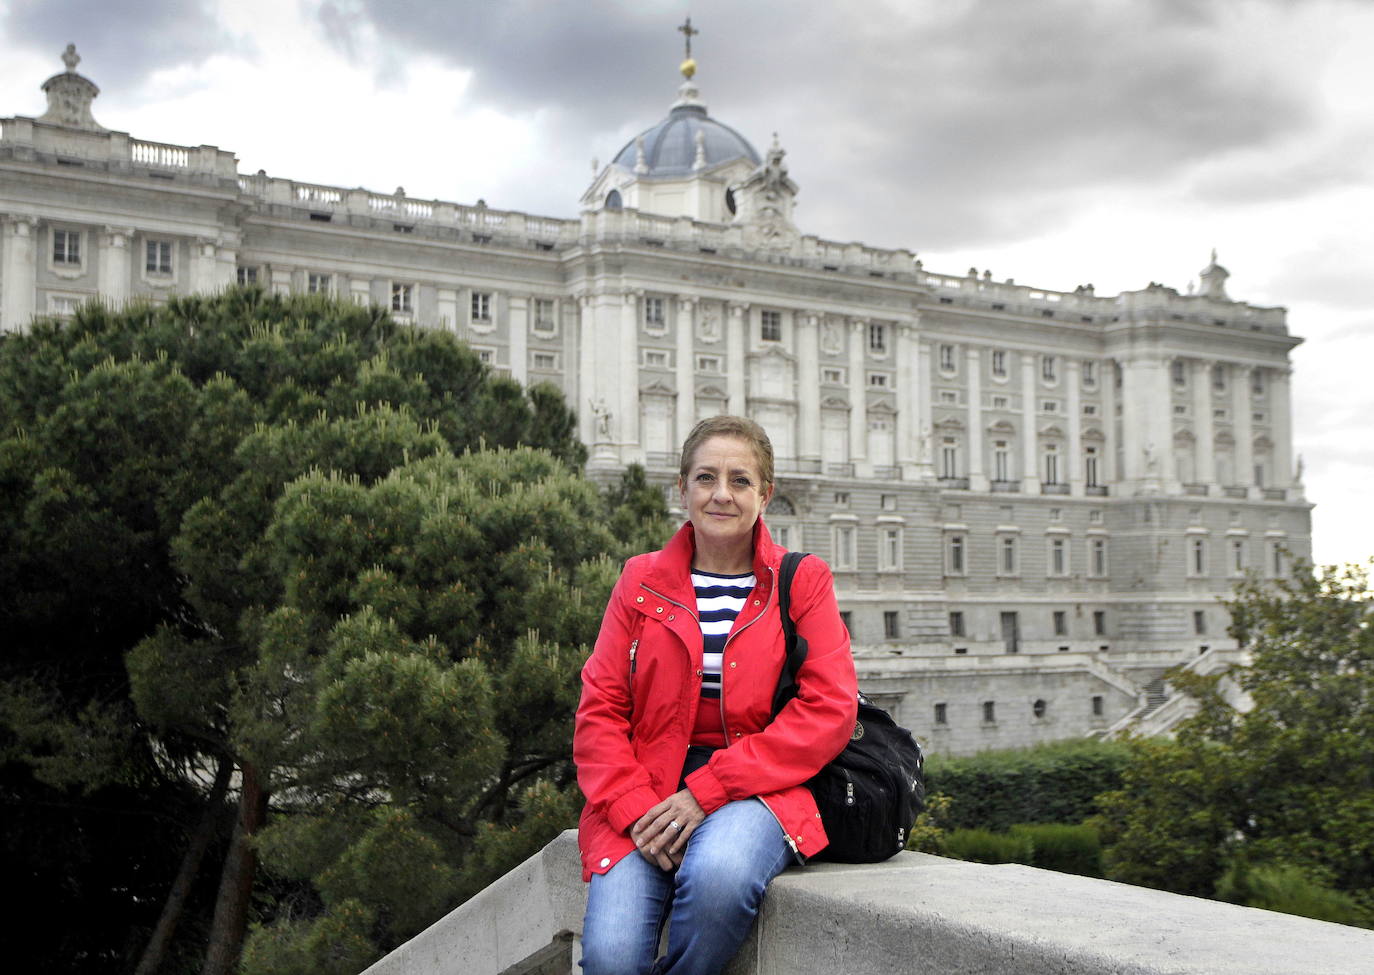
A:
[634,645]
[724,729]
[801,860]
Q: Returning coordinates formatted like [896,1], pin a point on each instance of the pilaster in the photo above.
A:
[858,391]
[686,404]
[20,271]
[977,476]
[807,333]
[1073,376]
[518,321]
[1281,425]
[1204,427]
[736,335]
[114,270]
[1243,425]
[908,394]
[1030,460]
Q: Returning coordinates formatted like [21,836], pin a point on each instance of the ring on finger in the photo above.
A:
[674,825]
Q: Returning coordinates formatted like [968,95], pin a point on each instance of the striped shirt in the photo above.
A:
[719,600]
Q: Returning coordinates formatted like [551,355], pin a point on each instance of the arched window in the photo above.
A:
[613,200]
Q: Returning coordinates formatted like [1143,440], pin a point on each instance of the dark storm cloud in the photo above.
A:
[121,42]
[973,117]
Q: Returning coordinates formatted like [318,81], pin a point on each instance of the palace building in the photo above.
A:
[1031,499]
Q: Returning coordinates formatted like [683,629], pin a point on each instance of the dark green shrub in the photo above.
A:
[985,846]
[1286,888]
[1068,849]
[1055,783]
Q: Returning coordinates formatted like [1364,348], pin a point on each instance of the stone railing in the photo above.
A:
[30,140]
[914,913]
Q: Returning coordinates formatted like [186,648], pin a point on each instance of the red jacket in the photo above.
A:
[642,684]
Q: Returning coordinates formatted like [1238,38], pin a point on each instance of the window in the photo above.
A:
[653,313]
[1097,557]
[1091,474]
[1000,403]
[403,298]
[1049,369]
[878,380]
[1049,406]
[888,502]
[545,360]
[770,326]
[1039,708]
[1256,382]
[1051,463]
[842,499]
[1095,516]
[248,274]
[1001,460]
[1061,623]
[159,257]
[66,247]
[946,358]
[485,355]
[708,363]
[1237,556]
[955,556]
[843,541]
[1177,373]
[655,358]
[1011,632]
[1200,622]
[832,375]
[63,306]
[1099,622]
[949,396]
[1197,557]
[1007,559]
[1056,515]
[877,338]
[999,363]
[890,549]
[956,623]
[890,626]
[1090,409]
[543,316]
[1097,705]
[1276,563]
[318,284]
[1089,375]
[949,457]
[989,712]
[1219,378]
[481,306]
[1059,557]
[941,713]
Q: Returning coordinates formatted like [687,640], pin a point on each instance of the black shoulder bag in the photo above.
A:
[870,794]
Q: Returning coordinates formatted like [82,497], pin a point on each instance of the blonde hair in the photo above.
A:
[740,427]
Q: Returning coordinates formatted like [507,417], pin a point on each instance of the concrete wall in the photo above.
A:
[913,914]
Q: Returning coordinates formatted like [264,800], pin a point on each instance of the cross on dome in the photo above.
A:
[688,66]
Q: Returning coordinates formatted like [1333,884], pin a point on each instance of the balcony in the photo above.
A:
[1197,490]
[954,483]
[1234,492]
[1096,490]
[1005,487]
[1047,487]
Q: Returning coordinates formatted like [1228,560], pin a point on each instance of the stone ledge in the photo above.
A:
[915,913]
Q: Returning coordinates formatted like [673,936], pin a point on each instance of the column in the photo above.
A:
[1281,425]
[908,393]
[20,273]
[686,369]
[280,275]
[973,361]
[446,301]
[114,272]
[1243,426]
[204,257]
[568,321]
[1030,459]
[518,320]
[625,379]
[736,332]
[1204,429]
[1073,377]
[1110,472]
[925,457]
[587,390]
[1164,422]
[808,390]
[858,391]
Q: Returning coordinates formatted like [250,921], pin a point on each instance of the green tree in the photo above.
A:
[1288,781]
[210,568]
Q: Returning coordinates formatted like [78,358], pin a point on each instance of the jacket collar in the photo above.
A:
[672,568]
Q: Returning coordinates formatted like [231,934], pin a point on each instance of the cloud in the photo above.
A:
[121,42]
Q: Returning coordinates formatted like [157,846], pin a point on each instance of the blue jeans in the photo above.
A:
[713,898]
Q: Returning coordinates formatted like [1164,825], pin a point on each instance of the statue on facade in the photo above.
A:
[830,338]
[710,326]
[602,414]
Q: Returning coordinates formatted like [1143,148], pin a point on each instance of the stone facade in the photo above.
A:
[1031,499]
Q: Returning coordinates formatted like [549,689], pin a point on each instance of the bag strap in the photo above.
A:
[796,649]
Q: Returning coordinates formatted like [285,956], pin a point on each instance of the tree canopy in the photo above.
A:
[291,585]
[1287,784]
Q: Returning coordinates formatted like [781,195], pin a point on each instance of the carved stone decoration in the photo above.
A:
[602,415]
[766,199]
[708,325]
[832,341]
[70,96]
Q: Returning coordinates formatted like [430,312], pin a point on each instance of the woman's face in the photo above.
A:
[723,493]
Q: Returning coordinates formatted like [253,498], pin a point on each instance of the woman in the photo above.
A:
[695,799]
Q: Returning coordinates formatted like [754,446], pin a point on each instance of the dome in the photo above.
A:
[670,147]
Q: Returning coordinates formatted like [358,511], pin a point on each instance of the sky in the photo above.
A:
[1057,142]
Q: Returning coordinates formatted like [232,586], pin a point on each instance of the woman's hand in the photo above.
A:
[661,834]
